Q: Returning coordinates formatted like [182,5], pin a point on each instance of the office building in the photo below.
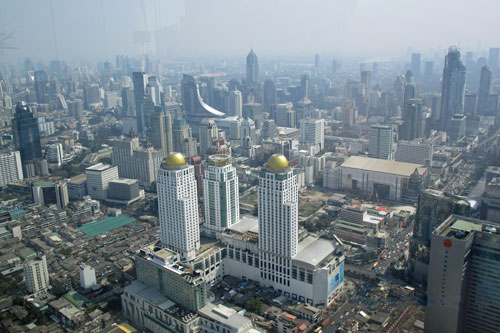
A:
[41,87]
[98,178]
[348,113]
[412,128]
[195,109]
[54,153]
[377,178]
[178,206]
[312,132]
[470,104]
[453,87]
[221,195]
[414,152]
[46,193]
[428,70]
[285,115]
[247,131]
[87,276]
[415,64]
[11,169]
[124,191]
[75,108]
[235,103]
[485,90]
[161,132]
[490,202]
[134,161]
[463,288]
[207,133]
[26,135]
[77,187]
[91,95]
[128,102]
[270,98]
[252,68]
[140,80]
[456,127]
[380,142]
[36,275]
[493,57]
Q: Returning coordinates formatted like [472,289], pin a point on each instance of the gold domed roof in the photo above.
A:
[277,161]
[175,159]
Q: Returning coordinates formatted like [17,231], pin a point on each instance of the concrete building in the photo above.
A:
[463,288]
[36,275]
[98,178]
[178,206]
[285,115]
[46,193]
[87,276]
[124,191]
[221,195]
[235,103]
[11,169]
[55,154]
[490,205]
[77,187]
[376,178]
[414,152]
[312,132]
[207,133]
[380,142]
[161,132]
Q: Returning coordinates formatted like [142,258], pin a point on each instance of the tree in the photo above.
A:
[254,305]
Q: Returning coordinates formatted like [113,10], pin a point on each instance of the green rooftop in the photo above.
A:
[75,298]
[466,226]
[108,223]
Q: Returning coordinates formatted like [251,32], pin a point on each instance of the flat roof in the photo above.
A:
[466,226]
[99,167]
[78,178]
[382,166]
[247,223]
[225,315]
[108,223]
[313,250]
[126,181]
[150,294]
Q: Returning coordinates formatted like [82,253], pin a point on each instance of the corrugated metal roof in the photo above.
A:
[383,166]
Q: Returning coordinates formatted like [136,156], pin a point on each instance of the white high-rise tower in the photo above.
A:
[178,206]
[278,221]
[221,195]
[235,103]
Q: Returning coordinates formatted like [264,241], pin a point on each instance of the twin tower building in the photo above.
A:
[271,250]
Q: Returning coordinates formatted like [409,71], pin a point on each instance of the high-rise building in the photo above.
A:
[415,64]
[463,288]
[312,132]
[457,127]
[221,195]
[46,193]
[428,70]
[195,109]
[178,206]
[317,61]
[140,80]
[128,102]
[485,86]
[252,68]
[55,153]
[11,169]
[98,178]
[470,104]
[36,274]
[207,133]
[348,113]
[278,221]
[182,138]
[494,57]
[87,276]
[453,87]
[414,152]
[75,108]
[26,134]
[412,127]
[235,103]
[247,131]
[134,161]
[42,87]
[380,142]
[270,97]
[285,115]
[91,95]
[161,132]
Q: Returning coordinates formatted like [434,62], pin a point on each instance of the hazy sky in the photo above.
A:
[96,30]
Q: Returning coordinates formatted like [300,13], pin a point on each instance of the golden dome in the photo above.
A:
[175,159]
[277,161]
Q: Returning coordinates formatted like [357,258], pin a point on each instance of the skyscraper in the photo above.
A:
[453,87]
[463,288]
[252,68]
[98,178]
[285,115]
[312,132]
[207,133]
[235,103]
[380,142]
[278,222]
[415,64]
[10,168]
[247,131]
[182,138]
[317,61]
[128,102]
[140,80]
[195,109]
[26,134]
[484,91]
[42,87]
[428,70]
[178,206]
[412,126]
[494,57]
[221,195]
[269,95]
[161,132]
